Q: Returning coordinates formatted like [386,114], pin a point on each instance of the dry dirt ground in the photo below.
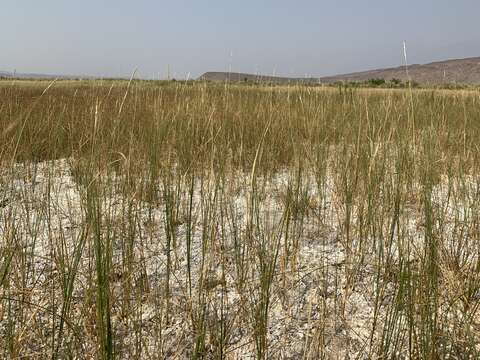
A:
[323,300]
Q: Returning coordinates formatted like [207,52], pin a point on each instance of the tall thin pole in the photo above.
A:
[406,61]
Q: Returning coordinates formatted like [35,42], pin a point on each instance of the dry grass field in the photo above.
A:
[155,220]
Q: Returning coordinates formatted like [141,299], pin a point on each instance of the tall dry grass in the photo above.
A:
[201,220]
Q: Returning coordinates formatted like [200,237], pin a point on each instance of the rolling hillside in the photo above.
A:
[459,71]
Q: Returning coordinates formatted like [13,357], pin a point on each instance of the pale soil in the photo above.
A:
[323,297]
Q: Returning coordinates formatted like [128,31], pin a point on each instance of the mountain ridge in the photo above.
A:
[37,76]
[459,71]
[451,71]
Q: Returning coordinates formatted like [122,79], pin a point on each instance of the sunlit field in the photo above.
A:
[152,220]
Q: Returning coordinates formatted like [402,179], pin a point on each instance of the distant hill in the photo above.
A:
[233,76]
[459,71]
[6,74]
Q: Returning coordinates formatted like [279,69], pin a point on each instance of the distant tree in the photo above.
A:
[376,82]
[396,82]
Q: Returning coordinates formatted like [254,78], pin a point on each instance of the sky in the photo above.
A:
[180,38]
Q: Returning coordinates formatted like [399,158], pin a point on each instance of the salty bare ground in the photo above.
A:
[324,297]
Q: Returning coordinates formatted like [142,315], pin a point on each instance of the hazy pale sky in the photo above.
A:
[291,38]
